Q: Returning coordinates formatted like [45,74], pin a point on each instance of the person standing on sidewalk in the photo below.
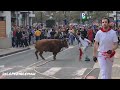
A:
[119,35]
[19,37]
[106,42]
[90,34]
[37,34]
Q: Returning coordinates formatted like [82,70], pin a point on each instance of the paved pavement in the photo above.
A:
[9,51]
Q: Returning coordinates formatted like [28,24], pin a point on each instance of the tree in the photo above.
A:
[59,16]
[98,15]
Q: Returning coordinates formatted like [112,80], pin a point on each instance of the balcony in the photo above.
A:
[31,15]
[111,14]
[13,14]
[24,11]
[1,11]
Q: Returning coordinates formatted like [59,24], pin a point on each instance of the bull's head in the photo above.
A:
[64,43]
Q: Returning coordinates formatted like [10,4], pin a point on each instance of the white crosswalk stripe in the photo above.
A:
[75,74]
[59,72]
[52,71]
[79,73]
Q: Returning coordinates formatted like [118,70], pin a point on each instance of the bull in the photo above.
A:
[50,45]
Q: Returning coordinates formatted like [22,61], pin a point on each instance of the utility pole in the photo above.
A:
[41,17]
[116,20]
[59,18]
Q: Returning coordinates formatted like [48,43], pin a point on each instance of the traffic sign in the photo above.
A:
[83,16]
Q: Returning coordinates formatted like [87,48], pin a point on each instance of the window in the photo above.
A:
[2,18]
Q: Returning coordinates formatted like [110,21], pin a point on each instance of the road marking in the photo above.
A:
[88,73]
[99,77]
[52,71]
[15,53]
[96,65]
[77,78]
[50,56]
[117,55]
[41,61]
[115,77]
[38,62]
[2,66]
[29,50]
[45,75]
[71,47]
[5,69]
[37,78]
[116,65]
[80,72]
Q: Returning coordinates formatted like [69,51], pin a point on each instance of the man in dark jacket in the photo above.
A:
[18,36]
[84,33]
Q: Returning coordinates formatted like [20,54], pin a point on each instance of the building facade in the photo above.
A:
[116,17]
[5,29]
[22,18]
[9,18]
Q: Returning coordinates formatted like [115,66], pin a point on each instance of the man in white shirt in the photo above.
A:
[85,43]
[108,43]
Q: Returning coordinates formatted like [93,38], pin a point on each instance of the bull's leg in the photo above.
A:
[54,56]
[41,55]
[36,54]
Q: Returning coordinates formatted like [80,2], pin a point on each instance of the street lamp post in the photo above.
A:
[41,17]
[116,19]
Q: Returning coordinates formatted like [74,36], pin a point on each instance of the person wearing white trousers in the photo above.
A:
[105,40]
[85,43]
[105,65]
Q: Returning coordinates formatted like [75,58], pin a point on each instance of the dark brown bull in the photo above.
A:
[50,45]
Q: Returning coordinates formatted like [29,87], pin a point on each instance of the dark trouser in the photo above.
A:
[18,42]
[52,37]
[37,38]
[13,42]
[29,40]
[45,37]
[118,40]
[71,39]
[24,42]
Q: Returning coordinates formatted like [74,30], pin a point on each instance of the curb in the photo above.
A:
[14,52]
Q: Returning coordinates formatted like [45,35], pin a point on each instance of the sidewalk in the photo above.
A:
[116,65]
[9,51]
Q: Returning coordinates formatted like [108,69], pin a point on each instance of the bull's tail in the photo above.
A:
[35,46]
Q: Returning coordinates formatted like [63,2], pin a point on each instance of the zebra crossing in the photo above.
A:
[75,72]
[63,73]
[54,73]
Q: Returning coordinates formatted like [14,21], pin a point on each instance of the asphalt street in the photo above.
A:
[66,66]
